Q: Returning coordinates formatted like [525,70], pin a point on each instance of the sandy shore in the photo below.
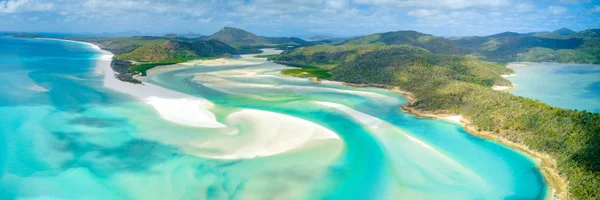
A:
[199,63]
[172,106]
[519,64]
[270,133]
[546,164]
[249,60]
[363,118]
[503,88]
[508,75]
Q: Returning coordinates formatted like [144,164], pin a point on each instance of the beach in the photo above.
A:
[546,164]
[193,111]
[246,133]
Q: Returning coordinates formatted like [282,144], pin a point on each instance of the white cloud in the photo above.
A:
[557,10]
[17,6]
[293,17]
[524,7]
[495,14]
[337,4]
[205,20]
[421,13]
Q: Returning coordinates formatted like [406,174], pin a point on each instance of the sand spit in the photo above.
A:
[248,59]
[166,102]
[200,63]
[267,133]
[270,133]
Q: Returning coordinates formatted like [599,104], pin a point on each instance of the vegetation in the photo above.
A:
[119,45]
[240,38]
[563,45]
[412,38]
[179,50]
[307,72]
[589,52]
[143,68]
[173,51]
[461,85]
[121,67]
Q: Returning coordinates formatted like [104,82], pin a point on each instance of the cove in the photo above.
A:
[65,135]
[570,86]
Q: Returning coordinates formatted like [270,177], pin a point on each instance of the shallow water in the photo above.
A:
[568,86]
[65,136]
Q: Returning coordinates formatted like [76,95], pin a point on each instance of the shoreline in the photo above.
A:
[224,62]
[187,110]
[557,187]
[172,106]
[556,184]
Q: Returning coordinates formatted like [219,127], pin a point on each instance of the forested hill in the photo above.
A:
[563,46]
[179,50]
[461,85]
[432,43]
[238,37]
[119,45]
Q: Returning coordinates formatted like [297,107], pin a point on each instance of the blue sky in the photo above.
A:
[299,17]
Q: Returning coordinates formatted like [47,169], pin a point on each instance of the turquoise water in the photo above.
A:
[568,86]
[65,136]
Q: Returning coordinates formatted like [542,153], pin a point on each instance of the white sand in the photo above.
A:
[262,133]
[267,133]
[224,84]
[519,64]
[274,133]
[371,122]
[396,139]
[248,59]
[221,62]
[265,51]
[501,88]
[336,83]
[455,119]
[244,72]
[508,75]
[173,106]
[185,111]
[37,88]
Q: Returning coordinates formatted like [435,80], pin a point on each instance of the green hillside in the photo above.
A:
[536,47]
[234,36]
[461,85]
[432,43]
[239,38]
[119,45]
[178,50]
[564,31]
[588,33]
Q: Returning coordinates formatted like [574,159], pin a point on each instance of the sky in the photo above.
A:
[300,18]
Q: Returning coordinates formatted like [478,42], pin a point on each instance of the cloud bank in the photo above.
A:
[298,17]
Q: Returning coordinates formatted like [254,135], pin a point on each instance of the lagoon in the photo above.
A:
[65,135]
[570,86]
